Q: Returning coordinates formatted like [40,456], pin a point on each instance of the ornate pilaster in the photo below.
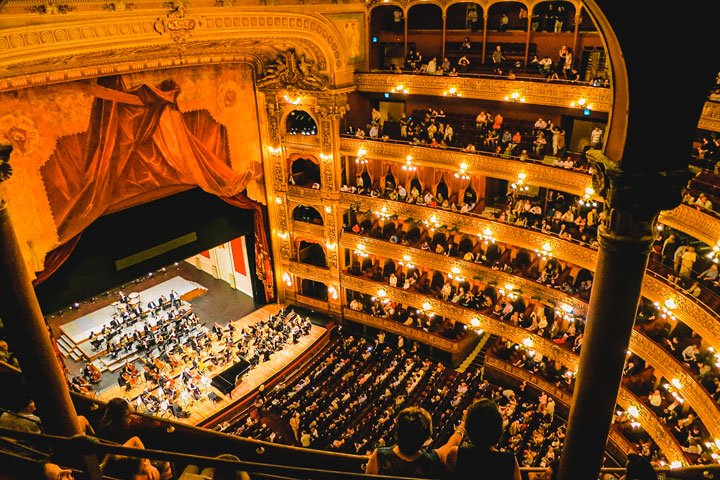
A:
[633,201]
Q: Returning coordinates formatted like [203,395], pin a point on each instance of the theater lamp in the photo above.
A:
[586,200]
[581,103]
[452,92]
[462,174]
[519,184]
[667,308]
[400,88]
[515,96]
[432,223]
[455,275]
[297,100]
[287,279]
[361,156]
[333,292]
[360,251]
[382,214]
[409,167]
[274,150]
[544,252]
[508,291]
[714,254]
[486,236]
[405,262]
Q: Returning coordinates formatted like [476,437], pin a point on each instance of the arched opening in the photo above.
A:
[438,280]
[304,213]
[300,122]
[305,173]
[507,16]
[441,191]
[425,24]
[469,196]
[390,182]
[464,16]
[364,182]
[311,254]
[388,268]
[313,289]
[416,185]
[553,16]
[387,37]
[466,245]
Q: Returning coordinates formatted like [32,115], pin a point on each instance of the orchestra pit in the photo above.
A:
[351,240]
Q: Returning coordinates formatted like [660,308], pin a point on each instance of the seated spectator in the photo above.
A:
[134,468]
[116,423]
[22,417]
[413,427]
[484,427]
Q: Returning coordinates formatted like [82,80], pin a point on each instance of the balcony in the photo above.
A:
[494,89]
[305,228]
[519,335]
[699,318]
[310,272]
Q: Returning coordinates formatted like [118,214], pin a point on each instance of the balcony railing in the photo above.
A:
[317,231]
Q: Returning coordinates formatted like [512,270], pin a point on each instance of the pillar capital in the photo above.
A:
[633,201]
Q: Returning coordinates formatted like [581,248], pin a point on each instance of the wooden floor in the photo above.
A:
[204,408]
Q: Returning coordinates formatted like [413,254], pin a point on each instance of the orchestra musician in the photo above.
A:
[92,373]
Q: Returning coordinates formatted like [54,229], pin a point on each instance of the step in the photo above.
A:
[476,351]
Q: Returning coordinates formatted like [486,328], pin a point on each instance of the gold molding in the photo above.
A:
[693,221]
[710,117]
[537,93]
[478,164]
[304,228]
[309,272]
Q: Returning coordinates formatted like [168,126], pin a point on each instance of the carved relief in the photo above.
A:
[693,221]
[310,272]
[292,70]
[19,131]
[178,24]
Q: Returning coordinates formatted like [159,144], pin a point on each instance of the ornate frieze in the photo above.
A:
[309,229]
[292,70]
[693,221]
[710,117]
[445,264]
[304,195]
[311,272]
[478,164]
[177,24]
[538,93]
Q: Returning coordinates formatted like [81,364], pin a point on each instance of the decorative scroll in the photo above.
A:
[292,70]
[178,24]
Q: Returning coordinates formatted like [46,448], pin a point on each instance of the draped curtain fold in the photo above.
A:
[139,141]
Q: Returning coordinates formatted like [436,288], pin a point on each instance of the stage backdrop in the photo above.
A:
[87,148]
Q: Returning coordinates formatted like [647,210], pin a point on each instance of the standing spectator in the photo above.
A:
[596,137]
[568,65]
[504,22]
[497,59]
[687,262]
[463,63]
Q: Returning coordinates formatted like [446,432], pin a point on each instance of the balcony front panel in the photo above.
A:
[310,272]
[304,228]
[435,341]
[693,315]
[478,164]
[442,263]
[693,221]
[536,93]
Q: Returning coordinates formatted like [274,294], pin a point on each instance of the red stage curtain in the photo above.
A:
[139,142]
[55,258]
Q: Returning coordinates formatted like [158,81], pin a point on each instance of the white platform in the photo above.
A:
[79,330]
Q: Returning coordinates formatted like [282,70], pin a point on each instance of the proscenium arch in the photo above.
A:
[49,53]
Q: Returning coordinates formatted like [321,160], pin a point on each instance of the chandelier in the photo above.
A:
[462,174]
[544,252]
[409,167]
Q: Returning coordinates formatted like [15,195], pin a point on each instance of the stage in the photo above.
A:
[204,408]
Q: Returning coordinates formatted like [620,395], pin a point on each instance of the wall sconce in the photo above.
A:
[333,292]
[508,291]
[297,100]
[382,293]
[452,92]
[545,251]
[331,246]
[455,275]
[519,184]
[474,322]
[400,88]
[667,308]
[382,214]
[274,150]
[287,279]
[528,342]
[361,156]
[514,97]
[486,236]
[432,223]
[582,103]
[462,174]
[405,262]
[586,199]
[278,200]
[283,235]
[409,167]
[328,209]
[714,254]
[360,251]
[326,156]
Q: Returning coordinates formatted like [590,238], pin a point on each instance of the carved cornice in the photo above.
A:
[317,231]
[563,397]
[478,164]
[306,196]
[109,44]
[652,425]
[693,221]
[310,272]
[518,335]
[537,93]
[710,117]
[667,366]
[436,341]
[445,264]
[694,316]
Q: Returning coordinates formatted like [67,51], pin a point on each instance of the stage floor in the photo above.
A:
[204,408]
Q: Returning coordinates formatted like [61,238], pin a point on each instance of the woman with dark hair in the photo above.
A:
[483,426]
[116,423]
[408,458]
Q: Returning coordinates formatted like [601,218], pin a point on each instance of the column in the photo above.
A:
[578,19]
[486,14]
[632,204]
[444,36]
[30,339]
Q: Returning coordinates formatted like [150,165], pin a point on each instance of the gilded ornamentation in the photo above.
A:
[49,8]
[486,165]
[538,93]
[693,221]
[710,117]
[119,6]
[292,70]
[310,272]
[177,24]
[19,131]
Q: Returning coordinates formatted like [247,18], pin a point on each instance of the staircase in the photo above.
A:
[68,348]
[477,356]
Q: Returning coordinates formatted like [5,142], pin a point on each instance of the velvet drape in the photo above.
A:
[138,142]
